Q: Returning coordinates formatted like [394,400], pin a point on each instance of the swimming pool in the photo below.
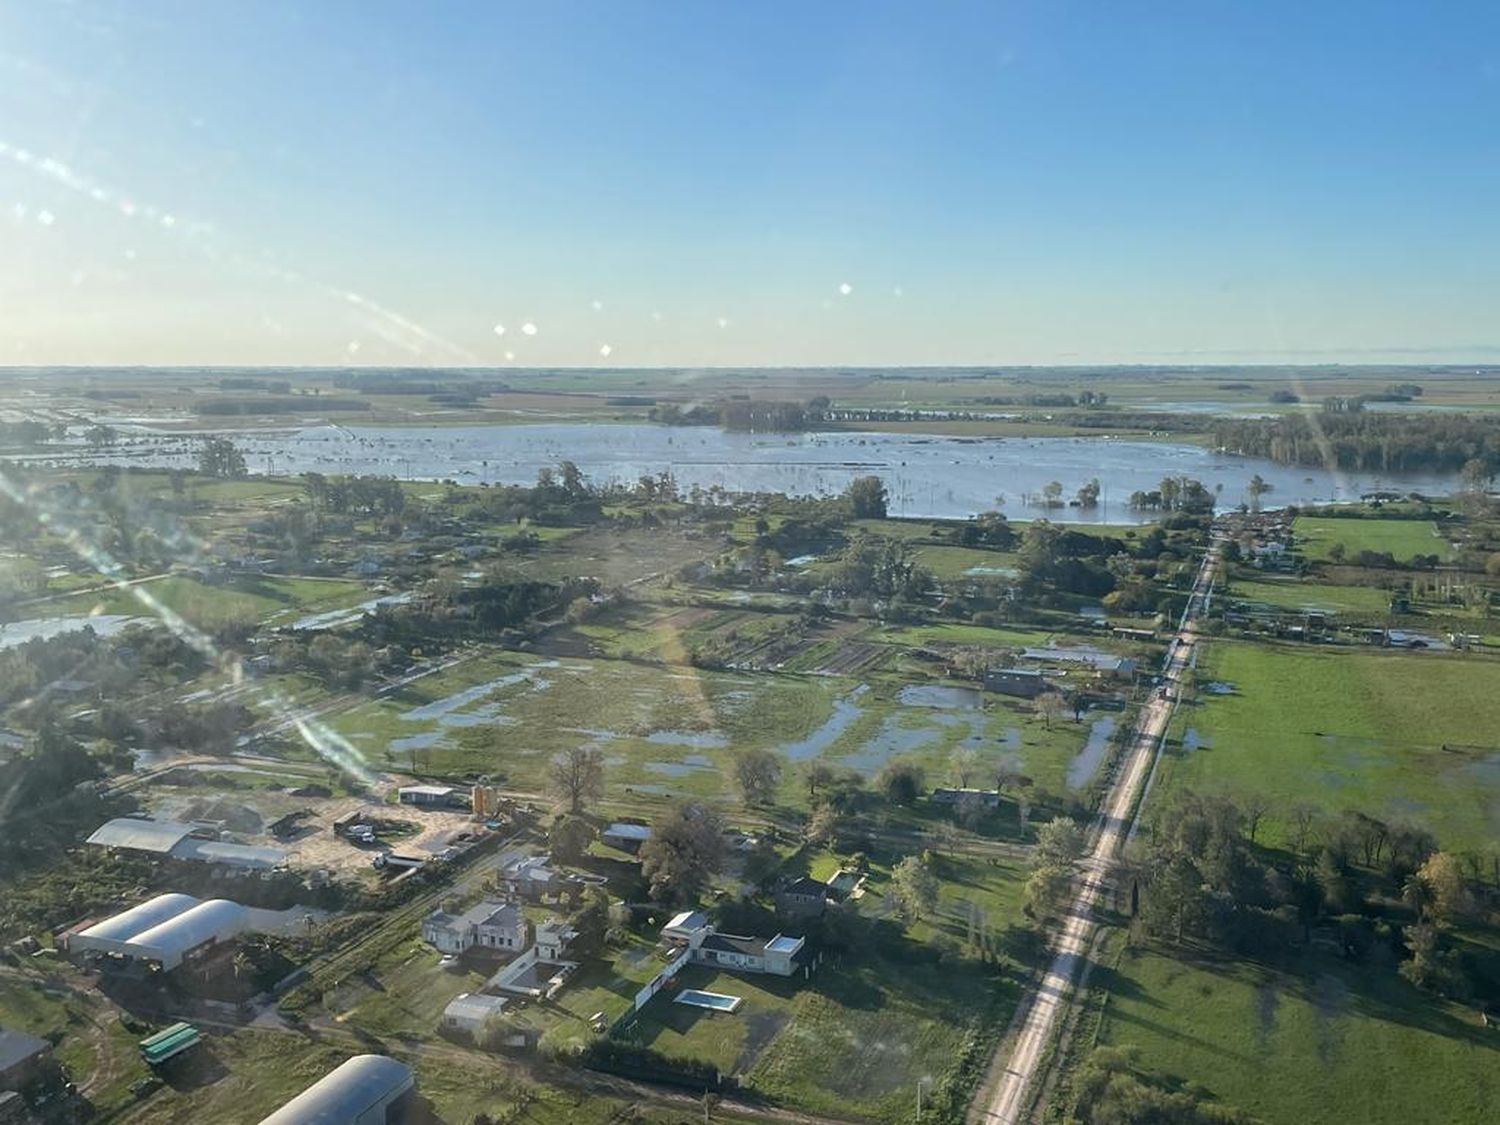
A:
[714,1001]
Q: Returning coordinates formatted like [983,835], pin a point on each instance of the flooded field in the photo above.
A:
[926,475]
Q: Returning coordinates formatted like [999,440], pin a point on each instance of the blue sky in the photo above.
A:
[696,183]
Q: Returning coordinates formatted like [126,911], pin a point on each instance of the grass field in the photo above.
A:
[1402,736]
[1289,593]
[1328,1043]
[257,599]
[1402,538]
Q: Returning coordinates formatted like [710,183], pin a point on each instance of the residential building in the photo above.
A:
[489,924]
[22,1058]
[1024,682]
[802,898]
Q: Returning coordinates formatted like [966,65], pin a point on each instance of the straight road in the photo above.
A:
[1038,1027]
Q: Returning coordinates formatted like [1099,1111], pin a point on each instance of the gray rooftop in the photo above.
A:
[139,835]
[345,1093]
[17,1046]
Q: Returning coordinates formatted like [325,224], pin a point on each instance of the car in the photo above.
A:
[448,960]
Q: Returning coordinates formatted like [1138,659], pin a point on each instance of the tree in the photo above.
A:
[823,824]
[900,782]
[913,889]
[1050,705]
[867,497]
[686,848]
[576,776]
[964,762]
[1258,487]
[219,457]
[817,774]
[1052,492]
[1088,494]
[1336,552]
[1447,891]
[758,773]
[1059,842]
[99,436]
[570,838]
[1047,889]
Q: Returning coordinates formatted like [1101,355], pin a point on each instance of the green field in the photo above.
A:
[252,600]
[1402,538]
[1330,1042]
[1289,593]
[1401,736]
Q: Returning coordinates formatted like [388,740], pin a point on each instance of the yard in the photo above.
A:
[249,599]
[1364,602]
[1401,736]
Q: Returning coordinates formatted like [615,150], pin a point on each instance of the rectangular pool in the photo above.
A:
[714,1001]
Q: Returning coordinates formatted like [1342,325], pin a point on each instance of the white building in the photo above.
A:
[692,932]
[487,925]
[364,1090]
[472,1012]
[165,931]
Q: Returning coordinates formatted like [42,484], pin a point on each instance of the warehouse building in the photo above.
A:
[163,932]
[364,1090]
[174,840]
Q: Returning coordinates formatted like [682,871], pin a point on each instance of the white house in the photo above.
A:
[553,938]
[487,925]
[692,931]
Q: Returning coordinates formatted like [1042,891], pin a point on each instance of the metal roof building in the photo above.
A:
[137,834]
[114,933]
[363,1090]
[169,942]
[171,838]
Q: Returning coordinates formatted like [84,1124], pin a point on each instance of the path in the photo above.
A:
[1038,1020]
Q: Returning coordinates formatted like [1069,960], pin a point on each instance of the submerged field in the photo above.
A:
[672,729]
[1406,736]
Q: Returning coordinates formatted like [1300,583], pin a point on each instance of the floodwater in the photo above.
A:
[690,764]
[45,628]
[941,695]
[892,739]
[1086,762]
[698,739]
[934,476]
[449,712]
[845,711]
[334,618]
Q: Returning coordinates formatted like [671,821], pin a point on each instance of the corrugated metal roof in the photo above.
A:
[345,1092]
[218,918]
[16,1047]
[256,857]
[138,919]
[473,1006]
[140,835]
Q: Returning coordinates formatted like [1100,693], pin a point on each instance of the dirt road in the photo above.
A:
[1008,1099]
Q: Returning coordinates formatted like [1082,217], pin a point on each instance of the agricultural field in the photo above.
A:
[1406,736]
[1326,1041]
[1400,538]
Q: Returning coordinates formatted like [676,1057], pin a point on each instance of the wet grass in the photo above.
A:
[1326,1042]
[253,599]
[1364,602]
[1402,736]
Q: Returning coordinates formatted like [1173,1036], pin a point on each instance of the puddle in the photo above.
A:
[940,695]
[892,739]
[1219,687]
[691,764]
[845,711]
[416,742]
[448,710]
[45,628]
[700,739]
[1486,771]
[994,571]
[1086,762]
[1192,740]
[802,560]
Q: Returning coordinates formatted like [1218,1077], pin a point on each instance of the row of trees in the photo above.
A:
[1437,442]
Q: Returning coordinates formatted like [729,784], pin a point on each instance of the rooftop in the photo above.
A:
[346,1092]
[139,834]
[17,1046]
[629,831]
[474,1006]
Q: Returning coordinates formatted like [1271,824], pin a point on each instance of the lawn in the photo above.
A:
[1289,593]
[1402,538]
[950,564]
[1401,736]
[1329,1043]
